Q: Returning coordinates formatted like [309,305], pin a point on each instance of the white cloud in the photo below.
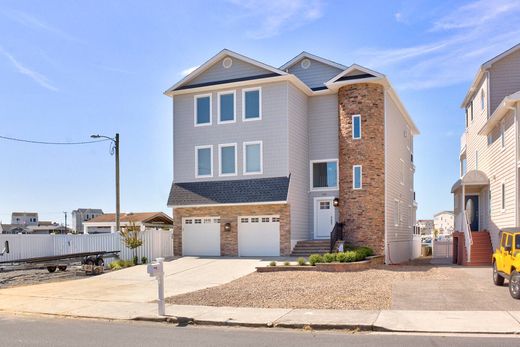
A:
[270,18]
[24,70]
[189,70]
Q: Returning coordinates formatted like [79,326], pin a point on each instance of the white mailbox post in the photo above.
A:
[157,270]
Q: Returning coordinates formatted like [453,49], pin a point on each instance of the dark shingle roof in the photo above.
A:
[229,192]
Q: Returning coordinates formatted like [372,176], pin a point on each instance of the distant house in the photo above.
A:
[24,218]
[82,215]
[13,229]
[43,227]
[444,222]
[425,226]
[106,223]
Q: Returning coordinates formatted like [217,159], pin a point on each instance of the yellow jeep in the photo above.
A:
[506,262]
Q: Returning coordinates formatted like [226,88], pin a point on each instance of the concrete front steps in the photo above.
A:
[308,247]
[481,250]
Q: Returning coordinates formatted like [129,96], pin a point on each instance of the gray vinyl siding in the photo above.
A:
[316,75]
[504,78]
[298,162]
[238,69]
[398,238]
[271,130]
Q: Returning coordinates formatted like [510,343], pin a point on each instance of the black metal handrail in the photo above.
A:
[336,235]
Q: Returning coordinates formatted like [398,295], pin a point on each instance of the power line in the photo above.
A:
[51,143]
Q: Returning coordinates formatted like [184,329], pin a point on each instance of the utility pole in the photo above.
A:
[118,211]
[65,220]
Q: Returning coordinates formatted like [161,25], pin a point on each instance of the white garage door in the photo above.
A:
[201,236]
[259,235]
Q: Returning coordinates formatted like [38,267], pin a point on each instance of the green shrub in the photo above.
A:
[286,263]
[144,260]
[341,257]
[273,263]
[114,265]
[366,250]
[128,263]
[350,256]
[135,260]
[329,257]
[360,255]
[301,261]
[315,258]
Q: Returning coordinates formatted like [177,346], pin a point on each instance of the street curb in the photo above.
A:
[360,327]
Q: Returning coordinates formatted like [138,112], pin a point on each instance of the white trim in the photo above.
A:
[244,158]
[360,128]
[244,119]
[401,172]
[220,146]
[200,96]
[197,161]
[313,57]
[398,213]
[352,68]
[316,199]
[311,162]
[386,243]
[231,204]
[354,177]
[227,92]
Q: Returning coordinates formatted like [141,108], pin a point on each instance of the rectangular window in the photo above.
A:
[251,104]
[226,107]
[228,159]
[324,174]
[202,107]
[471,110]
[203,161]
[357,177]
[253,157]
[356,127]
[482,99]
[401,173]
[396,212]
[503,196]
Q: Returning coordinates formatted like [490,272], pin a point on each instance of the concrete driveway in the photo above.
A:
[133,285]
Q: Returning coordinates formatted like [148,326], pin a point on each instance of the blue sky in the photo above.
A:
[72,68]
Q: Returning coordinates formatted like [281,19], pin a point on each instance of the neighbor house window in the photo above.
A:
[482,99]
[251,104]
[357,177]
[252,157]
[503,189]
[471,110]
[202,110]
[226,107]
[356,127]
[228,159]
[324,174]
[204,161]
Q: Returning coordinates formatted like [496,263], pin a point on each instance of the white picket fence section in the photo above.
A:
[442,249]
[156,243]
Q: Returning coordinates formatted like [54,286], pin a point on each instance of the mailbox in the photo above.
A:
[155,269]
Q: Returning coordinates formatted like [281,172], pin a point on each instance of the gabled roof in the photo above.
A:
[354,71]
[223,53]
[311,56]
[138,217]
[502,109]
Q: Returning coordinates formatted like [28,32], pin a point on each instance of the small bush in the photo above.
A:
[367,251]
[350,256]
[114,265]
[128,263]
[315,258]
[273,263]
[329,257]
[135,260]
[301,261]
[341,257]
[144,260]
[286,263]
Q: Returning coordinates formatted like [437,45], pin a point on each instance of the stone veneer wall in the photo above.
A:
[230,214]
[363,211]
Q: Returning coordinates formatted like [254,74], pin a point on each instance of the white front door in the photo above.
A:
[323,217]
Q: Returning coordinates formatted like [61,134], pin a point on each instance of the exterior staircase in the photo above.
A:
[308,247]
[481,250]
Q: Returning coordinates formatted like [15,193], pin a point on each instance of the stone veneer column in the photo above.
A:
[362,211]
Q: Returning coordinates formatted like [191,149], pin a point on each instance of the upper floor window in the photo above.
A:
[502,135]
[252,157]
[202,110]
[203,161]
[251,104]
[401,173]
[482,99]
[324,174]
[226,107]
[357,177]
[471,110]
[228,159]
[356,127]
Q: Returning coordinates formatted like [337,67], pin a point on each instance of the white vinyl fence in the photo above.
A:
[442,250]
[156,243]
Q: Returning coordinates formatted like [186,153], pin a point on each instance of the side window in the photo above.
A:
[503,241]
[356,127]
[226,107]
[203,161]
[509,241]
[251,104]
[517,241]
[202,106]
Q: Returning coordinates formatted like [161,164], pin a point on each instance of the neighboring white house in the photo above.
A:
[425,226]
[82,215]
[106,223]
[443,222]
[24,218]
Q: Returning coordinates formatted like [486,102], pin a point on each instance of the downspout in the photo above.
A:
[387,257]
[516,165]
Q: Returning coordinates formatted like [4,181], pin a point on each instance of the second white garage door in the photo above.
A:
[201,236]
[258,236]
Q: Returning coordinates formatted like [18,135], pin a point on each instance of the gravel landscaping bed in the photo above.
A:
[363,290]
[19,278]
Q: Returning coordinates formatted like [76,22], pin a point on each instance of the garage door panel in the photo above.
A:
[201,236]
[259,236]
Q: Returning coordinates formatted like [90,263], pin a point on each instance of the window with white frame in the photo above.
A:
[204,161]
[226,107]
[503,190]
[482,99]
[356,127]
[396,212]
[202,106]
[357,177]
[410,217]
[227,159]
[324,174]
[251,104]
[401,173]
[253,157]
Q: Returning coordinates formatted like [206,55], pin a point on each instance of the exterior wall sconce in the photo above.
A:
[227,227]
[335,202]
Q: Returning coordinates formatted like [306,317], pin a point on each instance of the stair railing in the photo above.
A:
[336,235]
[468,238]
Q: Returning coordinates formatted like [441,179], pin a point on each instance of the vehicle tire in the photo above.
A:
[62,267]
[497,278]
[514,284]
[90,261]
[100,261]
[51,269]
